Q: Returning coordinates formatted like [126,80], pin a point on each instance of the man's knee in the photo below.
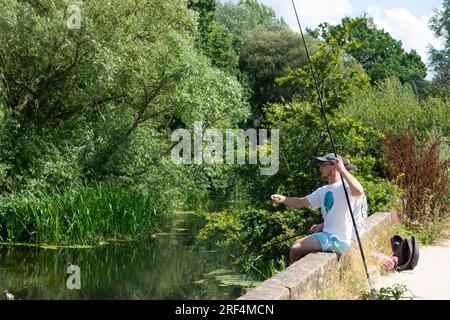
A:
[297,246]
[297,251]
[302,247]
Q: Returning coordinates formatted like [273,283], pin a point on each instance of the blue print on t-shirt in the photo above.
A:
[329,201]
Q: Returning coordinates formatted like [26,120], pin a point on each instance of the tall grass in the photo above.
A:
[81,215]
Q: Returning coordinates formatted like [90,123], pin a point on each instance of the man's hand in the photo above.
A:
[355,187]
[339,165]
[316,228]
[278,198]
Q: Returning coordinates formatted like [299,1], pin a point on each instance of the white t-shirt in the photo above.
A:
[336,215]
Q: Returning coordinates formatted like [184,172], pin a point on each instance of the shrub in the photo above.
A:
[418,168]
[396,292]
[255,236]
[392,107]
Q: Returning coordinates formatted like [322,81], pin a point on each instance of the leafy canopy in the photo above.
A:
[380,54]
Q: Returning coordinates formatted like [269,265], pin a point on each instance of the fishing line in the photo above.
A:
[285,239]
[332,144]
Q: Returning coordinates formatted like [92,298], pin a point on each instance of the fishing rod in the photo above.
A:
[283,240]
[332,144]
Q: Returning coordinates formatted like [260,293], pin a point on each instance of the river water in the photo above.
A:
[167,266]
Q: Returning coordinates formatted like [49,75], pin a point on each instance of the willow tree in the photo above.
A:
[94,90]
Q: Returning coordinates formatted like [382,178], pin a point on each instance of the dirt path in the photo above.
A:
[430,279]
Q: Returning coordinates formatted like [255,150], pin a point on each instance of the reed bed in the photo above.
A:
[81,215]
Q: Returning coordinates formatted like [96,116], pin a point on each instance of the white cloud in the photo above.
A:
[412,31]
[399,22]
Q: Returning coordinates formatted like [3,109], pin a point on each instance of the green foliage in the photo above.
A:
[247,14]
[278,265]
[412,129]
[214,40]
[99,103]
[396,292]
[102,101]
[381,55]
[382,195]
[337,73]
[427,234]
[266,55]
[82,215]
[392,107]
[254,235]
[266,47]
[440,59]
[304,136]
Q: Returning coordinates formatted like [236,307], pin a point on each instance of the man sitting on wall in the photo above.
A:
[335,233]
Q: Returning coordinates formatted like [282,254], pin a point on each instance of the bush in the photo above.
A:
[255,236]
[396,292]
[381,194]
[392,107]
[418,168]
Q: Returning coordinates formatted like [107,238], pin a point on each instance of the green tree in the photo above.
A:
[101,101]
[267,55]
[381,55]
[337,73]
[213,39]
[247,14]
[393,107]
[440,59]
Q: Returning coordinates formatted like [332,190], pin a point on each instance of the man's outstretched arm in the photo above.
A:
[293,202]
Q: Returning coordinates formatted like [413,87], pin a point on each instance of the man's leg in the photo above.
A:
[304,246]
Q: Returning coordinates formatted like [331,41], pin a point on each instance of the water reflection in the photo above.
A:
[162,268]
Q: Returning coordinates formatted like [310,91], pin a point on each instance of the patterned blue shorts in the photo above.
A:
[331,243]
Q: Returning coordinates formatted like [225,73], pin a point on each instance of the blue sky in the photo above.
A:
[405,20]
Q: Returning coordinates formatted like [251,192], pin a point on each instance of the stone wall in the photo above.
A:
[312,271]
